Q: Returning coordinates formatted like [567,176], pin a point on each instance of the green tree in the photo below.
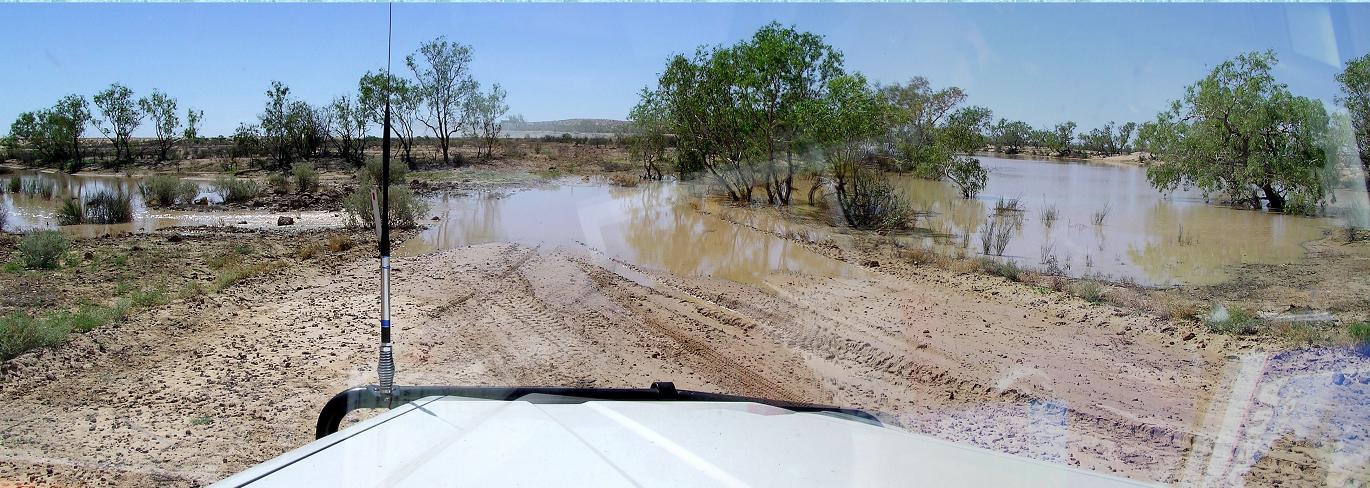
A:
[917,114]
[1010,136]
[120,115]
[649,141]
[161,110]
[347,125]
[443,72]
[483,113]
[405,100]
[69,118]
[1355,96]
[1240,133]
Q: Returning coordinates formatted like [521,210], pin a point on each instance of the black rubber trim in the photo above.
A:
[370,397]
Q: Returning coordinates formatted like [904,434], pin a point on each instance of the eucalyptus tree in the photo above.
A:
[843,124]
[275,125]
[443,74]
[706,114]
[1010,136]
[405,100]
[1240,133]
[483,114]
[120,115]
[918,112]
[1355,96]
[166,123]
[347,125]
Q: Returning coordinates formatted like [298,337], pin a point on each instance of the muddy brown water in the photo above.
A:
[26,211]
[1147,236]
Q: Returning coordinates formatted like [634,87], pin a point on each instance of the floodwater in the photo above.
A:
[1146,236]
[659,226]
[27,212]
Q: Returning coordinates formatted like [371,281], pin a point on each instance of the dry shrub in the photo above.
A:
[339,243]
[620,179]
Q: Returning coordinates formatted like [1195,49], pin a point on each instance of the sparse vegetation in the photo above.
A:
[1049,215]
[236,190]
[867,199]
[42,249]
[405,208]
[1011,205]
[1099,216]
[108,207]
[278,183]
[1225,320]
[1089,290]
[167,190]
[995,235]
[1360,336]
[305,177]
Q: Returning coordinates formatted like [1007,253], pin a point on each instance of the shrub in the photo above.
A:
[1006,268]
[166,190]
[38,188]
[1360,336]
[279,184]
[108,207]
[234,189]
[1230,321]
[42,249]
[20,332]
[70,212]
[15,184]
[968,175]
[339,243]
[398,172]
[405,208]
[1101,215]
[620,179]
[868,200]
[1049,215]
[307,179]
[995,235]
[1006,206]
[1088,290]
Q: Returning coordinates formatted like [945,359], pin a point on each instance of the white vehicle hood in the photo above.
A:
[450,441]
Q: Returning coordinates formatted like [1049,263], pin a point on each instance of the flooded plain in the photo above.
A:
[1145,236]
[39,209]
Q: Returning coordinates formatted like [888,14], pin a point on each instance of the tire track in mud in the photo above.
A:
[752,383]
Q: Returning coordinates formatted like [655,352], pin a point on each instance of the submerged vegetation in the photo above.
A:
[167,190]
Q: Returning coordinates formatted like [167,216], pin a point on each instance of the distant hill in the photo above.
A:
[596,126]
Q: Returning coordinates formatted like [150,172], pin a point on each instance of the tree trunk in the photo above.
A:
[1274,200]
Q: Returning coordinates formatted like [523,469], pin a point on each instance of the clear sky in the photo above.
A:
[1038,63]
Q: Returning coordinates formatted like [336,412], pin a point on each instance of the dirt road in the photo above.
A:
[191,392]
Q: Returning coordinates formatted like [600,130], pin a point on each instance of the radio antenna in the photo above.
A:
[386,368]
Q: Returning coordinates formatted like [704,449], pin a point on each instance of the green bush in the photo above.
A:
[1231,320]
[109,207]
[15,184]
[398,172]
[166,190]
[307,179]
[1360,336]
[20,332]
[234,189]
[70,212]
[1088,290]
[42,249]
[279,184]
[405,208]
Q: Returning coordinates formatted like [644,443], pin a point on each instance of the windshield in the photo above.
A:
[1129,239]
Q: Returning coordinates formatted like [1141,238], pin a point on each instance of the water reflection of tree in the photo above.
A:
[664,229]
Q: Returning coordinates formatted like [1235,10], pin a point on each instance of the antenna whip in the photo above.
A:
[386,368]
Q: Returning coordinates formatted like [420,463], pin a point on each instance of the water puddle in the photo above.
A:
[29,211]
[658,226]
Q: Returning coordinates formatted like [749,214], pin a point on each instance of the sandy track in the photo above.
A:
[194,391]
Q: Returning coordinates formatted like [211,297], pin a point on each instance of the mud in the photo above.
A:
[188,393]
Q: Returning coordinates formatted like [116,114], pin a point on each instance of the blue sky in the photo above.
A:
[1038,63]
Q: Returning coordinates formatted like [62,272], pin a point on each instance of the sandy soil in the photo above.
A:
[200,388]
